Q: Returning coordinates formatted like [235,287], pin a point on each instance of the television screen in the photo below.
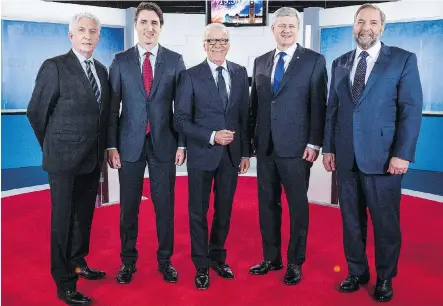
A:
[237,12]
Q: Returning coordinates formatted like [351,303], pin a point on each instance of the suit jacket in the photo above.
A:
[127,131]
[386,120]
[69,123]
[200,111]
[294,116]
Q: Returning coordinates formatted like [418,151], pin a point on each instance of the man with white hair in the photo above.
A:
[68,112]
[212,112]
[288,105]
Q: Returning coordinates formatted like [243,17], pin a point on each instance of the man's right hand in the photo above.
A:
[329,161]
[224,137]
[114,159]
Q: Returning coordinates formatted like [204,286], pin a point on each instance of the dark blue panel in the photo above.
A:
[25,45]
[23,177]
[20,147]
[424,38]
[424,181]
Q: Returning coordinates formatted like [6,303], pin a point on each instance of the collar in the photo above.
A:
[290,51]
[373,51]
[142,51]
[215,66]
[82,58]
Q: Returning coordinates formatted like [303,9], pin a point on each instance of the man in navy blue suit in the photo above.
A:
[143,81]
[212,112]
[287,111]
[372,126]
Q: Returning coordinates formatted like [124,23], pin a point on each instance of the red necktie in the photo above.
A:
[147,82]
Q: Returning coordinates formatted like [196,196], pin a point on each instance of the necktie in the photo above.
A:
[221,85]
[147,82]
[279,71]
[92,80]
[359,78]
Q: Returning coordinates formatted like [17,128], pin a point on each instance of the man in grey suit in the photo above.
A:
[143,80]
[372,126]
[68,112]
[288,105]
[212,112]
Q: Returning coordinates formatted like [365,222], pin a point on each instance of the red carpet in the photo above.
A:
[26,278]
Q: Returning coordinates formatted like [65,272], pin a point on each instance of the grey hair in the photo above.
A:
[371,6]
[77,17]
[286,12]
[215,26]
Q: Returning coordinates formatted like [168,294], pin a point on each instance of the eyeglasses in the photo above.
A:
[215,41]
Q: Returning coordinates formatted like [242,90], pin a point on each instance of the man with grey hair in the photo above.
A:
[68,112]
[287,111]
[212,112]
[372,126]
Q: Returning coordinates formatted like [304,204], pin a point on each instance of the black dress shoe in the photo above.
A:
[265,266]
[90,274]
[124,276]
[383,290]
[73,297]
[202,279]
[293,274]
[170,275]
[352,283]
[223,270]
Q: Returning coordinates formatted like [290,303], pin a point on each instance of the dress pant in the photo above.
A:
[199,184]
[162,182]
[381,195]
[293,173]
[73,201]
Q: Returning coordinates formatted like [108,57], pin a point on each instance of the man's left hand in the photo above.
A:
[310,154]
[244,165]
[398,166]
[180,157]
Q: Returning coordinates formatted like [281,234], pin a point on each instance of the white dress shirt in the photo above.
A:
[287,59]
[152,57]
[82,60]
[373,52]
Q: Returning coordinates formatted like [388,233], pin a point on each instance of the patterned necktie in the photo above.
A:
[92,80]
[360,76]
[147,82]
[279,71]
[221,85]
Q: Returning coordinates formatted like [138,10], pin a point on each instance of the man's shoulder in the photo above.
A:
[236,66]
[396,51]
[124,54]
[265,56]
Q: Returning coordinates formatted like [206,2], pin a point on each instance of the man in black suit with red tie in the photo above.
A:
[143,80]
[68,112]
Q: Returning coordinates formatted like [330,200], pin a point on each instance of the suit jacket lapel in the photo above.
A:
[209,82]
[134,66]
[78,69]
[103,82]
[159,69]
[233,75]
[268,70]
[379,65]
[291,68]
[348,68]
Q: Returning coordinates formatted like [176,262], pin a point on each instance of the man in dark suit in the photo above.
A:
[68,112]
[212,112]
[288,105]
[143,80]
[372,126]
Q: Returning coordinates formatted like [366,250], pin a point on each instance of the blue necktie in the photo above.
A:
[359,78]
[279,71]
[91,79]
[221,85]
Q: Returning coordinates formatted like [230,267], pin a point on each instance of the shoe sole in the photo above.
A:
[221,275]
[92,278]
[272,269]
[292,284]
[359,283]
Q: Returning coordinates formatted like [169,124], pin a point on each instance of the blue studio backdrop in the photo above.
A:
[25,45]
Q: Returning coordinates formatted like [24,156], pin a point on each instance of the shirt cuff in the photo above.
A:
[317,148]
[183,148]
[212,139]
[111,149]
[246,157]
